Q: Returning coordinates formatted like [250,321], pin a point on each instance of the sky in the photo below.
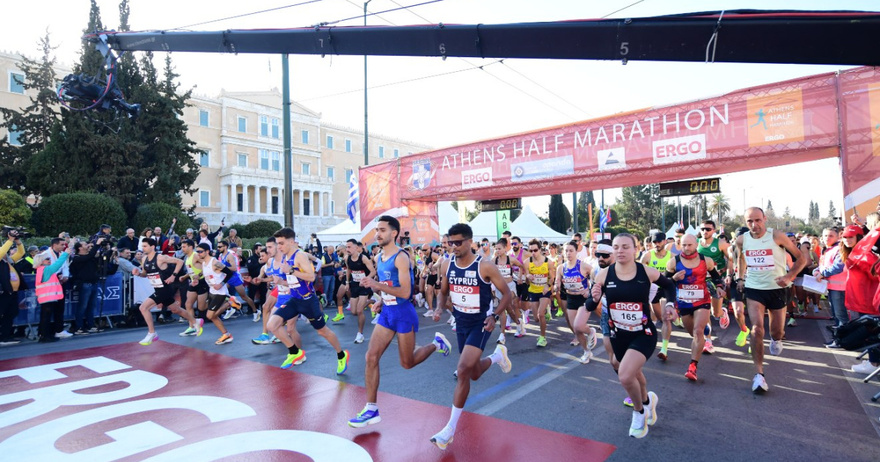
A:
[473,104]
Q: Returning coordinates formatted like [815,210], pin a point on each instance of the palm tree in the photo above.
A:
[719,207]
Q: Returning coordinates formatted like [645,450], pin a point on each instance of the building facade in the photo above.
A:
[242,164]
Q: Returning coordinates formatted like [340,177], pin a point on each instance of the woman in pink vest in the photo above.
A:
[49,290]
[831,267]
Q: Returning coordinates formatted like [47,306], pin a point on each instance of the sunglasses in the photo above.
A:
[457,243]
[602,255]
[707,229]
[534,250]
[200,251]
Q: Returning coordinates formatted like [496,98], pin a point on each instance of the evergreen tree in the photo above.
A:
[639,207]
[583,213]
[34,122]
[559,218]
[832,211]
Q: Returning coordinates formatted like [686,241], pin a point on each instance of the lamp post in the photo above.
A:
[366,131]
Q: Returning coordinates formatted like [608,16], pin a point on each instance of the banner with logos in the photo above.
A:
[860,116]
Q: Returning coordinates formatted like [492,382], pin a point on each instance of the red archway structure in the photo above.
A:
[810,118]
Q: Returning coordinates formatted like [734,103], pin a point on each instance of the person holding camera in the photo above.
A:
[10,284]
[84,267]
[50,294]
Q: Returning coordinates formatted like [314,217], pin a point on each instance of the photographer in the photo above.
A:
[84,267]
[103,232]
[10,284]
[50,294]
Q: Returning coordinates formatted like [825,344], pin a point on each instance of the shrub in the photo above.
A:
[13,209]
[78,213]
[160,214]
[259,229]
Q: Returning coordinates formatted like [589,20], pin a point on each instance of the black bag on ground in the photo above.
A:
[858,333]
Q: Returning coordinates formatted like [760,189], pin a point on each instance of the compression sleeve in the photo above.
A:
[716,276]
[668,287]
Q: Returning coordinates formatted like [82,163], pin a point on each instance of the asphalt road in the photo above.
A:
[816,408]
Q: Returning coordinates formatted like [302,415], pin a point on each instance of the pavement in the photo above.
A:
[550,406]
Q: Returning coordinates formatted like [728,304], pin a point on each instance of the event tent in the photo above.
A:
[528,226]
[484,226]
[340,233]
[446,216]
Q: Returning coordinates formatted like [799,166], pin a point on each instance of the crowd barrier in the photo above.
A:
[116,293]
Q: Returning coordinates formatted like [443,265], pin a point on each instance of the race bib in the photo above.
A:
[292,282]
[574,284]
[759,260]
[539,279]
[627,316]
[358,276]
[505,271]
[690,294]
[156,281]
[387,298]
[465,299]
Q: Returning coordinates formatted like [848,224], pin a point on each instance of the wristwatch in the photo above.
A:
[497,317]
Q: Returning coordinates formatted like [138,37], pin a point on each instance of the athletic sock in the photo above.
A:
[495,357]
[371,407]
[453,417]
[664,346]
[436,343]
[293,350]
[340,354]
[694,362]
[642,411]
[647,402]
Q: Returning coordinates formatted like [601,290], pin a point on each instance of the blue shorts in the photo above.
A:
[235,280]
[401,318]
[471,334]
[308,308]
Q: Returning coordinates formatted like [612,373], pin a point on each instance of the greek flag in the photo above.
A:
[603,219]
[352,198]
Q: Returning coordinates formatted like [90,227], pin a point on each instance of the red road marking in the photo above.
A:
[228,399]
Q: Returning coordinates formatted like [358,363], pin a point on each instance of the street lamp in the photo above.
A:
[366,132]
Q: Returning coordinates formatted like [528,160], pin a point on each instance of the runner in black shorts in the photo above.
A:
[358,266]
[573,284]
[468,283]
[160,270]
[626,285]
[737,298]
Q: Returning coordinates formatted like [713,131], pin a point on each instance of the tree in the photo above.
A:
[583,210]
[558,216]
[13,209]
[719,208]
[832,211]
[33,123]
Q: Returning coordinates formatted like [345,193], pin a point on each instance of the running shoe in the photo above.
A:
[520,331]
[548,315]
[832,345]
[651,409]
[375,319]
[559,312]
[225,338]
[573,341]
[505,363]
[200,326]
[342,364]
[294,360]
[638,428]
[586,357]
[677,322]
[791,323]
[628,402]
[326,317]
[591,339]
[691,373]
[708,348]
[359,338]
[189,331]
[451,320]
[258,315]
[364,418]
[151,336]
[444,438]
[274,339]
[443,345]
[742,337]
[429,314]
[233,302]
[263,339]
[864,367]
[724,321]
[501,340]
[662,356]
[775,347]
[759,385]
[453,325]
[338,317]
[542,341]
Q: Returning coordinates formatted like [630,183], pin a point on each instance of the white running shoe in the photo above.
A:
[775,347]
[443,438]
[451,320]
[586,356]
[505,363]
[258,315]
[501,340]
[759,384]
[63,334]
[375,320]
[228,314]
[638,428]
[864,367]
[591,339]
[359,338]
[151,336]
[429,313]
[651,410]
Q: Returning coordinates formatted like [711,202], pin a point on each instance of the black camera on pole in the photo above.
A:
[14,232]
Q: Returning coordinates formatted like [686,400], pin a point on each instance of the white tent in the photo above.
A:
[692,230]
[447,216]
[528,226]
[483,225]
[340,233]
